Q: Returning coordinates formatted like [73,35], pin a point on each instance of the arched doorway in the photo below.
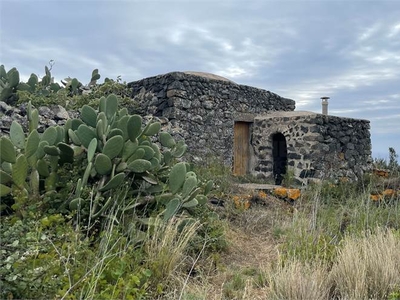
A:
[279,152]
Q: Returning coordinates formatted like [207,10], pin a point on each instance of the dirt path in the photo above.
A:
[240,272]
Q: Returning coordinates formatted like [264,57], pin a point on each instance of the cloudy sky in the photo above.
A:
[347,50]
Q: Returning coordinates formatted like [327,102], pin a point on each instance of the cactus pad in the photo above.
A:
[7,150]
[177,177]
[139,166]
[134,127]
[17,135]
[114,182]
[43,168]
[167,140]
[190,204]
[113,146]
[4,177]
[50,135]
[189,185]
[66,153]
[111,106]
[20,171]
[85,135]
[4,190]
[89,115]
[91,149]
[152,129]
[172,208]
[102,164]
[51,150]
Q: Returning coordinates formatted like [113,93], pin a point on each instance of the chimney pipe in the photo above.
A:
[325,105]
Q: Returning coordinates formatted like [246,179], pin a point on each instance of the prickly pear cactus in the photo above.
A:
[119,149]
[27,159]
[109,150]
[9,82]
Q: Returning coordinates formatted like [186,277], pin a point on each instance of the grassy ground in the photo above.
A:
[332,243]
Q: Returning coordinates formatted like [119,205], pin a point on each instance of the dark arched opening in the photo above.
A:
[279,152]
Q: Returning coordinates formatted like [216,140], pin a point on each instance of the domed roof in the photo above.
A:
[208,75]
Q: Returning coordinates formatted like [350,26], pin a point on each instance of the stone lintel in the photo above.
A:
[243,117]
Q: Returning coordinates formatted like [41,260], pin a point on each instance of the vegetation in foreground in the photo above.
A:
[61,239]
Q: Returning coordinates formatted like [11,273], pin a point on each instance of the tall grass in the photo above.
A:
[326,214]
[368,267]
[334,243]
[365,267]
[106,262]
[122,267]
[339,244]
[298,280]
[165,247]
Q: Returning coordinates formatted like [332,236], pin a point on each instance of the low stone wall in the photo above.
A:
[318,146]
[52,116]
[203,109]
[48,116]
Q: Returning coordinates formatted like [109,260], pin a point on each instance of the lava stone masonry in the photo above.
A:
[203,110]
[318,146]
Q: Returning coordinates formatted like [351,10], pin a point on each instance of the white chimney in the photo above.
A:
[325,105]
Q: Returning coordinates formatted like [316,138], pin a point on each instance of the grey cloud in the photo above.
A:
[303,50]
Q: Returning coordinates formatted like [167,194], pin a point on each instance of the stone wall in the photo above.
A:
[202,108]
[318,146]
[48,116]
[52,115]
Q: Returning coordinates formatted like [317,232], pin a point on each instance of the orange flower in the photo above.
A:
[242,201]
[389,192]
[381,173]
[236,200]
[262,195]
[247,204]
[293,194]
[376,197]
[281,192]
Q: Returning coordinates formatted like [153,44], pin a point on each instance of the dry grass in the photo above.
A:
[368,267]
[249,250]
[296,280]
[316,259]
[261,219]
[165,249]
[365,267]
[225,286]
[236,273]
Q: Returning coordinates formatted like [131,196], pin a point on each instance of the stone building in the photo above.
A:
[253,130]
[312,145]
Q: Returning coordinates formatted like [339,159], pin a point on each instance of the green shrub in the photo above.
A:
[36,257]
[235,286]
[106,147]
[93,204]
[29,162]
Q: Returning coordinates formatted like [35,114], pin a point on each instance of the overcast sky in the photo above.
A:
[347,50]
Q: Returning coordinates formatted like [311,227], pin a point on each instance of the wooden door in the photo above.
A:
[241,148]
